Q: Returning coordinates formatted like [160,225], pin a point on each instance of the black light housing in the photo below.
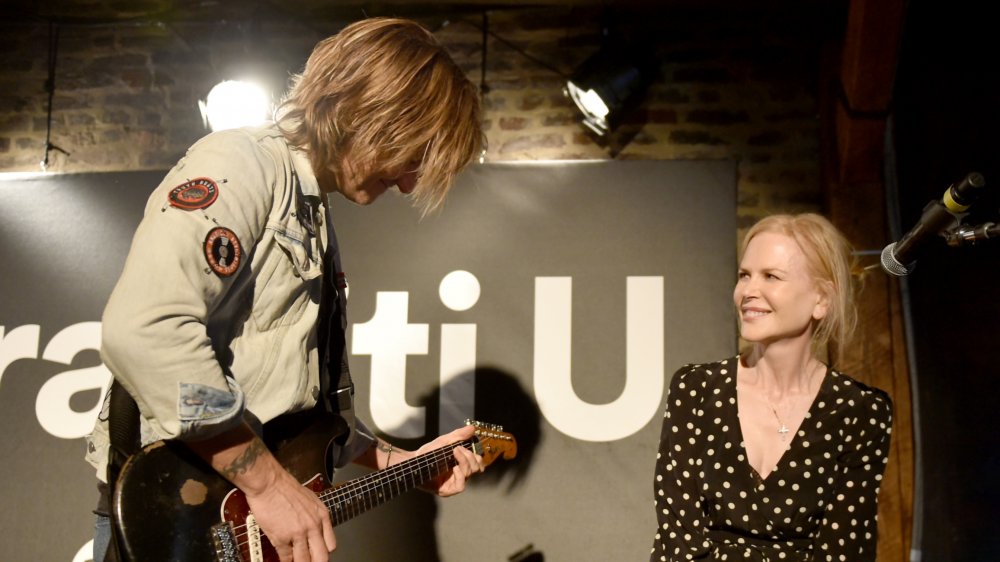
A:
[610,84]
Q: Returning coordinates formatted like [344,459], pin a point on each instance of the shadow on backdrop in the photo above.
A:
[405,528]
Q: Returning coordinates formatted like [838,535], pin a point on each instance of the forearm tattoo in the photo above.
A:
[243,462]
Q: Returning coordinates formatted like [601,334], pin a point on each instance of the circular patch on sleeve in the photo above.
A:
[194,194]
[223,251]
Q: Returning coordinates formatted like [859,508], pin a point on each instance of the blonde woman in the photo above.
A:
[773,454]
[229,312]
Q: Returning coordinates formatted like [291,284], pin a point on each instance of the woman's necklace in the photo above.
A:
[783,429]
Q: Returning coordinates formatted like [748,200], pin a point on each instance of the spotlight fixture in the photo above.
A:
[609,85]
[235,103]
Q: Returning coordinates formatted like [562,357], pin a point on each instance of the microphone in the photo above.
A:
[899,258]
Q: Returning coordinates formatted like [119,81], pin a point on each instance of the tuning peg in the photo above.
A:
[481,426]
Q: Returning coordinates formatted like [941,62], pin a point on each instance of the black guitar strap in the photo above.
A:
[123,432]
[337,395]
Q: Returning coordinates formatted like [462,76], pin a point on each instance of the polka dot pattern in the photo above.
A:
[819,503]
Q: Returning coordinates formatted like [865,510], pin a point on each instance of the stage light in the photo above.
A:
[609,84]
[234,103]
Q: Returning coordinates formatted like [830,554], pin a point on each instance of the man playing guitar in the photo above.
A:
[230,310]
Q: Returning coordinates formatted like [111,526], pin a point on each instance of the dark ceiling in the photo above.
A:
[103,11]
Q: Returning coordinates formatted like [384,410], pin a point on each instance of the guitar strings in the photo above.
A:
[374,480]
[439,455]
[422,462]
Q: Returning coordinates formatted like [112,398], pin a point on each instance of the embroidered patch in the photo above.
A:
[223,251]
[195,194]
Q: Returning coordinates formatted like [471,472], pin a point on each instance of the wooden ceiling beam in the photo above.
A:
[867,72]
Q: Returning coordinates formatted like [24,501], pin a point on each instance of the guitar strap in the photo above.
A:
[337,395]
[123,432]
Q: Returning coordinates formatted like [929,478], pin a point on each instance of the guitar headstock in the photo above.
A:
[493,442]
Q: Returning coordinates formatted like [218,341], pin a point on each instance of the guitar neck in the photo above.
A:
[352,498]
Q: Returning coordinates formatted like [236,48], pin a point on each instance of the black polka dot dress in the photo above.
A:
[819,503]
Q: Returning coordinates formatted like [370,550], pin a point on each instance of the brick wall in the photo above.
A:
[731,86]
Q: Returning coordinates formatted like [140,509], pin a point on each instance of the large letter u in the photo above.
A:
[639,401]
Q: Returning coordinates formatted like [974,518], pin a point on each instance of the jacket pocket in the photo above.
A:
[289,280]
[302,252]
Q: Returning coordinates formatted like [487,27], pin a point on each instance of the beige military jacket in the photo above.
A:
[216,310]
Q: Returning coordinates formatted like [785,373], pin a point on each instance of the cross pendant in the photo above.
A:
[783,430]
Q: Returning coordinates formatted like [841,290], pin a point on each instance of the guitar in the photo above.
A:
[170,505]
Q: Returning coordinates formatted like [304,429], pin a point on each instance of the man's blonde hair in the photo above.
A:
[829,261]
[386,94]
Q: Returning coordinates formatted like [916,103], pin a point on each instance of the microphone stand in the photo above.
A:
[966,235]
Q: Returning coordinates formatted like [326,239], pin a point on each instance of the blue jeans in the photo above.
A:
[102,536]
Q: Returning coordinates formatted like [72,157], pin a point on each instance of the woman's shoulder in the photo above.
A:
[722,366]
[853,390]
[705,372]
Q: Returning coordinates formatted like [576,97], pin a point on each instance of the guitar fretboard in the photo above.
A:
[374,489]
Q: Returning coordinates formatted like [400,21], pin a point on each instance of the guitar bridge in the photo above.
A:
[224,541]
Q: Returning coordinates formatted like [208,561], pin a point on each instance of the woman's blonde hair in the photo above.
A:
[386,94]
[829,261]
